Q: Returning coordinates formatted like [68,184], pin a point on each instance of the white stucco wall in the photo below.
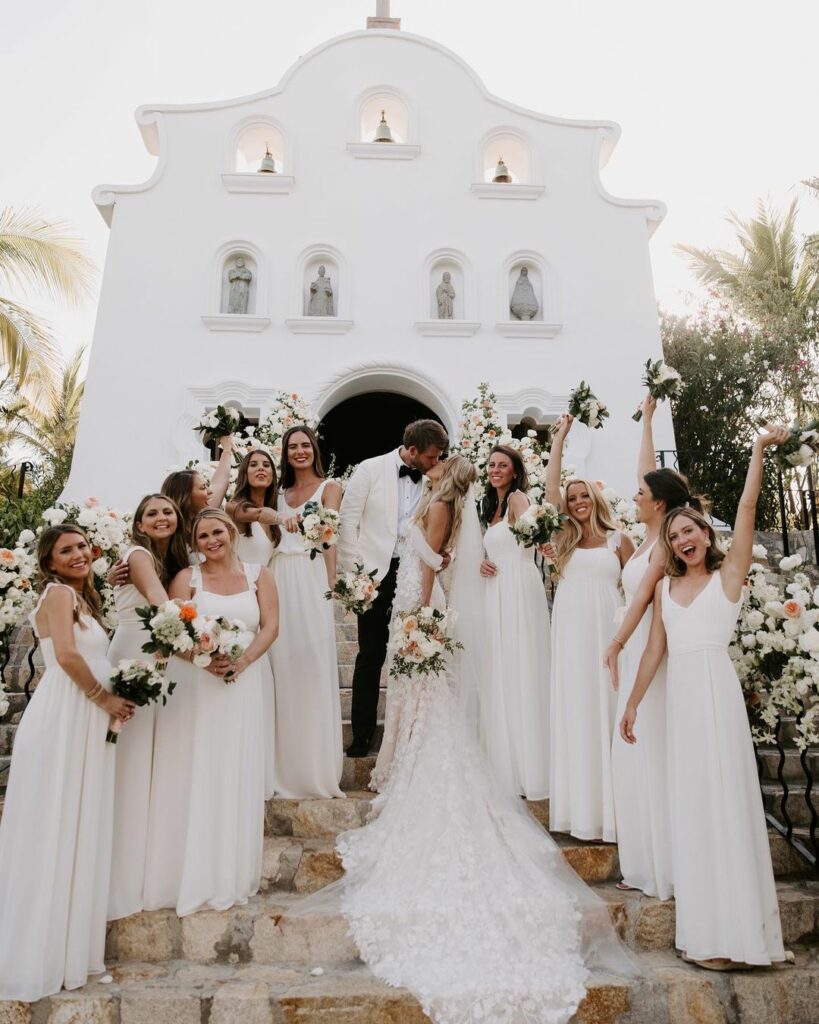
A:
[154,362]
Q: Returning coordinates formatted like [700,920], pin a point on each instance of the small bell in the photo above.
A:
[268,165]
[382,132]
[502,175]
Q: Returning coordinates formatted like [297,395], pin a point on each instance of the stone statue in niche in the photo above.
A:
[239,277]
[321,295]
[524,304]
[445,296]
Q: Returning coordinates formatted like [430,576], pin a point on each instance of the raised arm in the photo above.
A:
[649,663]
[145,579]
[331,498]
[635,611]
[562,426]
[647,459]
[738,560]
[352,508]
[437,528]
[221,478]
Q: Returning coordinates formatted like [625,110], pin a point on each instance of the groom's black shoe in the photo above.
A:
[358,749]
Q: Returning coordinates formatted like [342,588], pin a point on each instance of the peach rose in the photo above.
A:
[410,623]
[792,608]
[327,534]
[91,502]
[6,556]
[207,643]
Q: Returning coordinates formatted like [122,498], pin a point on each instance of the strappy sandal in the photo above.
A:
[623,886]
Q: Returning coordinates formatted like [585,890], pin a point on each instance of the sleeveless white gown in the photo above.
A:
[723,879]
[515,722]
[452,890]
[583,699]
[134,759]
[639,771]
[55,836]
[259,549]
[308,754]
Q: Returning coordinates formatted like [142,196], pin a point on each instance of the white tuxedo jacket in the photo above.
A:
[368,529]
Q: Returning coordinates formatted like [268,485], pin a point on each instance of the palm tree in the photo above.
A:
[34,252]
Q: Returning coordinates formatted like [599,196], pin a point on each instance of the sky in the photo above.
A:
[716,98]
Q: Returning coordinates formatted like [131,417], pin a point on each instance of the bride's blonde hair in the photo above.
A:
[457,476]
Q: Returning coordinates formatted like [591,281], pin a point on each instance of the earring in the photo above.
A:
[708,543]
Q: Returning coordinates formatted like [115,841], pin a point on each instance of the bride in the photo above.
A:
[452,890]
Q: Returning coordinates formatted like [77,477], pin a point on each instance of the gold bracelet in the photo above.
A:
[95,692]
[618,641]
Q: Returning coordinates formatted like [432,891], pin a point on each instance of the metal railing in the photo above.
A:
[797,508]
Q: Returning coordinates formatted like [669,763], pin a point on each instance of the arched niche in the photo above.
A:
[237,257]
[463,322]
[400,116]
[545,323]
[307,272]
[514,147]
[249,141]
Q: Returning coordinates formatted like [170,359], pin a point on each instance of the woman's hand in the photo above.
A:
[562,425]
[236,669]
[488,568]
[610,661]
[648,406]
[119,574]
[219,665]
[291,523]
[549,552]
[627,724]
[117,707]
[774,434]
[226,443]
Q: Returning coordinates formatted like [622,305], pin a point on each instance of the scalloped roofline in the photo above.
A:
[147,120]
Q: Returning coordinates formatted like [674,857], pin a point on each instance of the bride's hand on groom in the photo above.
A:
[488,568]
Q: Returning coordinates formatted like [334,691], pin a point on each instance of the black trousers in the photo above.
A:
[373,634]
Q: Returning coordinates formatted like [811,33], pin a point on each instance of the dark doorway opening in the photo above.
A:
[367,425]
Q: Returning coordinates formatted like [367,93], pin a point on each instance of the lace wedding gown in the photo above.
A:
[452,890]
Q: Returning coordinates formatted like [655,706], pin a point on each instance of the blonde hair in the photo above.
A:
[674,566]
[222,517]
[459,473]
[600,522]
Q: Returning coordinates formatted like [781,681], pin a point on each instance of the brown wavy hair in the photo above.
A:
[288,473]
[520,482]
[242,499]
[176,557]
[178,487]
[88,594]
[714,556]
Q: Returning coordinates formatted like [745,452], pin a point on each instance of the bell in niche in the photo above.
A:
[268,165]
[502,175]
[382,132]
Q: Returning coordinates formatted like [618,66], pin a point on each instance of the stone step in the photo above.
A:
[182,992]
[356,772]
[795,803]
[266,930]
[792,770]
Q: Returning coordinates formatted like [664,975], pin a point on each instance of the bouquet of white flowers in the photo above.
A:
[586,407]
[320,527]
[355,590]
[176,627]
[662,382]
[143,682]
[801,447]
[420,641]
[223,420]
[18,569]
[537,524]
[233,639]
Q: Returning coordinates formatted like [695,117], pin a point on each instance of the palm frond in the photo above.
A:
[28,350]
[44,254]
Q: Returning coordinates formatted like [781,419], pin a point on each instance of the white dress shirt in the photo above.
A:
[409,494]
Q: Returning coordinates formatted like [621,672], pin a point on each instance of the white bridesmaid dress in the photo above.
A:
[55,837]
[134,761]
[224,824]
[639,771]
[259,549]
[308,745]
[515,711]
[723,879]
[583,700]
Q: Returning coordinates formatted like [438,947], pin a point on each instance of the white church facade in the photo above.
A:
[206,295]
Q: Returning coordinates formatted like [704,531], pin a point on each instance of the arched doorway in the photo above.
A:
[366,425]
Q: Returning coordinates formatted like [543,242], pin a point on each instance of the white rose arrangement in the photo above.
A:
[586,407]
[18,569]
[319,526]
[538,524]
[801,447]
[140,681]
[221,422]
[663,382]
[420,642]
[355,590]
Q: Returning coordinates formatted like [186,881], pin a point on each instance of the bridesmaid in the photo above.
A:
[55,838]
[515,711]
[308,747]
[157,554]
[726,903]
[221,860]
[590,554]
[191,491]
[639,773]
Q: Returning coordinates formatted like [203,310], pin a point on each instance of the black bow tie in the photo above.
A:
[414,474]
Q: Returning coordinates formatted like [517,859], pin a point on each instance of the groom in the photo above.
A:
[379,502]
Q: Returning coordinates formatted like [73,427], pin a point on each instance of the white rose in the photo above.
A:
[201,660]
[755,619]
[182,643]
[55,516]
[26,537]
[790,562]
[759,551]
[810,641]
[749,640]
[101,566]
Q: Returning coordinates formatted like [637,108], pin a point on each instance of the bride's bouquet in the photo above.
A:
[176,627]
[320,528]
[586,407]
[142,682]
[222,421]
[662,382]
[355,590]
[233,639]
[420,641]
[801,447]
[537,524]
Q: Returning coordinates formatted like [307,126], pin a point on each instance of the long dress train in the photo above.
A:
[55,838]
